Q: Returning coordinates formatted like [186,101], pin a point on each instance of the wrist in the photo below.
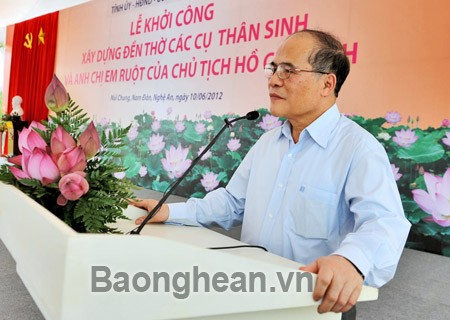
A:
[354,266]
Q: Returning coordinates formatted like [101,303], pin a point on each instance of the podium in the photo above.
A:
[167,272]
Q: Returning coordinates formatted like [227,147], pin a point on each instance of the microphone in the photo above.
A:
[252,115]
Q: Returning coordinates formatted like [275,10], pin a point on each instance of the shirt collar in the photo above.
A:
[320,129]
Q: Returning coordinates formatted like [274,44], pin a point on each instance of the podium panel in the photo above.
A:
[167,272]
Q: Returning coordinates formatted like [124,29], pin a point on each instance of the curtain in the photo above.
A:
[32,64]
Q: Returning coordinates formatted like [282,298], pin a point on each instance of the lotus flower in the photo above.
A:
[437,201]
[446,140]
[143,171]
[56,96]
[269,122]
[71,160]
[234,144]
[383,136]
[393,117]
[133,133]
[405,138]
[200,128]
[156,125]
[395,170]
[179,126]
[30,139]
[209,181]
[60,141]
[37,164]
[37,125]
[156,143]
[175,162]
[445,123]
[72,187]
[89,141]
[207,114]
[206,155]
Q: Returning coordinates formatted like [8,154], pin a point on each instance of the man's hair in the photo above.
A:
[329,56]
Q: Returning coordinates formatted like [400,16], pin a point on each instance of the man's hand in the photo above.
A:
[338,283]
[148,204]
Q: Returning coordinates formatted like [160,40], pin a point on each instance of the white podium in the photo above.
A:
[65,272]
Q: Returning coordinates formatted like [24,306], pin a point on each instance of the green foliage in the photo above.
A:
[107,195]
[427,154]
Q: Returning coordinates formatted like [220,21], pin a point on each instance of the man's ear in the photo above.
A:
[329,83]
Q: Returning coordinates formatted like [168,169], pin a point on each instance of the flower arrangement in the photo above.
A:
[67,167]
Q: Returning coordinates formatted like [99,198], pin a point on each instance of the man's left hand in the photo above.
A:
[338,283]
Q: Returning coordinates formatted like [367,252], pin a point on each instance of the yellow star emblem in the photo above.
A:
[41,37]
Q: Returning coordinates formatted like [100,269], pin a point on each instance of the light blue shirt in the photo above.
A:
[333,192]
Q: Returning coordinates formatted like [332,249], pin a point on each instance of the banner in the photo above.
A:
[175,69]
[120,58]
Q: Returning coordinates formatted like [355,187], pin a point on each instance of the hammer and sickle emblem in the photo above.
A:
[28,40]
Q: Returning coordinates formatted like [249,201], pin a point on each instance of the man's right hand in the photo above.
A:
[148,204]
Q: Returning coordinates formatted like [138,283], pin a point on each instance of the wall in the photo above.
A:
[125,69]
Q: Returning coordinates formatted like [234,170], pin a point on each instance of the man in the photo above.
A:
[318,190]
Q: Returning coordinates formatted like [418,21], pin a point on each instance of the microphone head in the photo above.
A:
[252,115]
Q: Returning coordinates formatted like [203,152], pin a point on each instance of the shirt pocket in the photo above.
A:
[312,210]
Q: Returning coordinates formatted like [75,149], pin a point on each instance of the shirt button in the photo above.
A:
[270,215]
[290,155]
[280,185]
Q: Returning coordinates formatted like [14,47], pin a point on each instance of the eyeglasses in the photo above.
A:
[284,70]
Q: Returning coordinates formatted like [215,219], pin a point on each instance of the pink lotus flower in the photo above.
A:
[445,123]
[37,164]
[269,122]
[446,140]
[206,155]
[17,160]
[175,162]
[405,138]
[209,181]
[156,143]
[234,144]
[395,170]
[56,96]
[179,126]
[30,139]
[37,125]
[156,125]
[133,133]
[60,141]
[393,117]
[437,201]
[200,127]
[72,187]
[143,171]
[207,114]
[89,141]
[71,160]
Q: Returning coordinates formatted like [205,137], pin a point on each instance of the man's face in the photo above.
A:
[297,98]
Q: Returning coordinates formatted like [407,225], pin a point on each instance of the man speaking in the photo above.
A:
[319,189]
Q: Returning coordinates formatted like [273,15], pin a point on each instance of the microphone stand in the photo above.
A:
[228,124]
